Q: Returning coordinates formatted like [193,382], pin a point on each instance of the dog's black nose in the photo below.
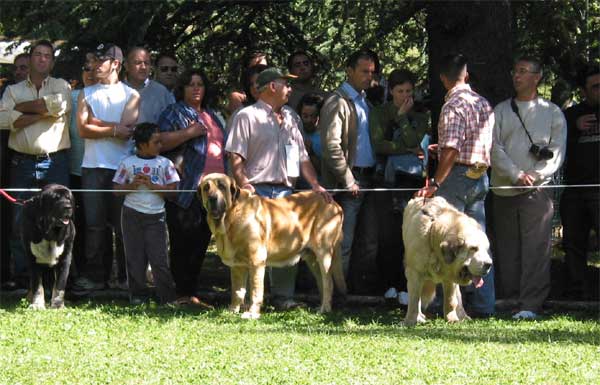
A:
[487,267]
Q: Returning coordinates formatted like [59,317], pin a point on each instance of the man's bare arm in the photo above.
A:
[27,120]
[237,168]
[37,106]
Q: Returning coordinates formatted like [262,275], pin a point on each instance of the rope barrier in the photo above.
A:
[547,186]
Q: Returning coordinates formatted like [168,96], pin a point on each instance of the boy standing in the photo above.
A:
[143,213]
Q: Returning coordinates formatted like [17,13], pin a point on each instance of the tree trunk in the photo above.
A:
[481,30]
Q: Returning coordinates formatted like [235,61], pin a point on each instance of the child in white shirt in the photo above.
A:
[143,214]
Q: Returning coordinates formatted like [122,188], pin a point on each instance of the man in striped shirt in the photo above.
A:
[464,146]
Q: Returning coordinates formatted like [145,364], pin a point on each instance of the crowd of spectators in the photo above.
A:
[143,124]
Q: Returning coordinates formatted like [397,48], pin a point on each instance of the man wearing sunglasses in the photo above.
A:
[106,114]
[167,71]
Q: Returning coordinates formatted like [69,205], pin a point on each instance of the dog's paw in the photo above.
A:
[250,315]
[234,309]
[58,305]
[38,306]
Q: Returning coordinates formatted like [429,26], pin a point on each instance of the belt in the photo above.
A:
[363,170]
[36,157]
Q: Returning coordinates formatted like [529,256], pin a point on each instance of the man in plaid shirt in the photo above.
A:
[464,145]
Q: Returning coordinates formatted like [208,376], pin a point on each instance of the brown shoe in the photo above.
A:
[195,301]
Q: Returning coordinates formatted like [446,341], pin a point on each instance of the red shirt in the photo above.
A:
[214,146]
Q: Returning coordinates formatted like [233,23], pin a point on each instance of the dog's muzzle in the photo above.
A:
[216,207]
[465,275]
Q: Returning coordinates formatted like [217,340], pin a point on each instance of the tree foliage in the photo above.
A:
[215,34]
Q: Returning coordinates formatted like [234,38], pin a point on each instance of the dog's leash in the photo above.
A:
[11,199]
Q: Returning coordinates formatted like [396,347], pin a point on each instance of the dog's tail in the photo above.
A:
[337,270]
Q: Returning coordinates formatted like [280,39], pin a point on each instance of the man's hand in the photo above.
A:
[324,193]
[418,151]
[426,192]
[587,122]
[249,187]
[354,190]
[196,129]
[122,132]
[433,150]
[525,179]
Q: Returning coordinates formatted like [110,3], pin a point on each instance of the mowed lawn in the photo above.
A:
[114,343]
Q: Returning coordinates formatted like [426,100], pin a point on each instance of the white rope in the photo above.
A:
[547,186]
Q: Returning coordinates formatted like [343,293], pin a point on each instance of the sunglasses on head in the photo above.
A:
[166,68]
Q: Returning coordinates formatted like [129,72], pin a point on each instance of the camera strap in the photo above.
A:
[515,109]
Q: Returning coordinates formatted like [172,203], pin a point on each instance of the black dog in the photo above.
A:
[48,232]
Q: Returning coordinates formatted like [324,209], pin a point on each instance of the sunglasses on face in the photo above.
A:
[166,68]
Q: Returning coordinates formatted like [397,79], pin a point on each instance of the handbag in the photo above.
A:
[407,164]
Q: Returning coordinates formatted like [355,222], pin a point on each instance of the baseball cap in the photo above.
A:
[109,51]
[271,74]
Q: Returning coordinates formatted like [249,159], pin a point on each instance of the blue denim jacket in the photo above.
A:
[178,116]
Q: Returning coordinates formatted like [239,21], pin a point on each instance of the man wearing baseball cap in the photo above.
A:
[106,113]
[267,163]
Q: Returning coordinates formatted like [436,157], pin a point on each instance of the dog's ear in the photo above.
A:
[235,191]
[450,248]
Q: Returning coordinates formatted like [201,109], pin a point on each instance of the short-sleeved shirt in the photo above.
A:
[466,124]
[161,171]
[46,135]
[258,138]
[154,98]
[107,102]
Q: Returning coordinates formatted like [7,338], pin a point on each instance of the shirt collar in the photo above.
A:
[352,93]
[144,85]
[30,83]
[456,89]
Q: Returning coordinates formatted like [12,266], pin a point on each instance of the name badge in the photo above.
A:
[292,154]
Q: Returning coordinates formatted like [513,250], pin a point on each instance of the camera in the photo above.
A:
[542,153]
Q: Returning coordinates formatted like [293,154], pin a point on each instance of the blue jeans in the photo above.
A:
[283,279]
[351,207]
[30,171]
[102,214]
[468,196]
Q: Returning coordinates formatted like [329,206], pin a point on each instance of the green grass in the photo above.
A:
[114,343]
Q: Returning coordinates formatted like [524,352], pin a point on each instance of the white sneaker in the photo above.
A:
[403,298]
[391,293]
[525,314]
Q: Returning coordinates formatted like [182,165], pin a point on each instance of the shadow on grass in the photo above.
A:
[359,322]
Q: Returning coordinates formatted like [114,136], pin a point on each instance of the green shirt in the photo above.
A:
[393,132]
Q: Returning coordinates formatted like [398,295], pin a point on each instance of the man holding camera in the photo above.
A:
[528,148]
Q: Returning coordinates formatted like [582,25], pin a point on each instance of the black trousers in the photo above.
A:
[189,236]
[579,212]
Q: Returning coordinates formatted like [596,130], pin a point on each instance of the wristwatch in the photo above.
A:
[432,182]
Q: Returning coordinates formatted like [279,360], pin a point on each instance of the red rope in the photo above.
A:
[10,198]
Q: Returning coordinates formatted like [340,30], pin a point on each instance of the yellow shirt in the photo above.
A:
[45,136]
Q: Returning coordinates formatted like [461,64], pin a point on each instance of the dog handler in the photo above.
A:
[465,142]
[267,155]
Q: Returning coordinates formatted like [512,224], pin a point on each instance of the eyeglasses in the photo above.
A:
[86,68]
[523,71]
[166,68]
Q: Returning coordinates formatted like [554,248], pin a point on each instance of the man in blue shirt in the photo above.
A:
[348,159]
